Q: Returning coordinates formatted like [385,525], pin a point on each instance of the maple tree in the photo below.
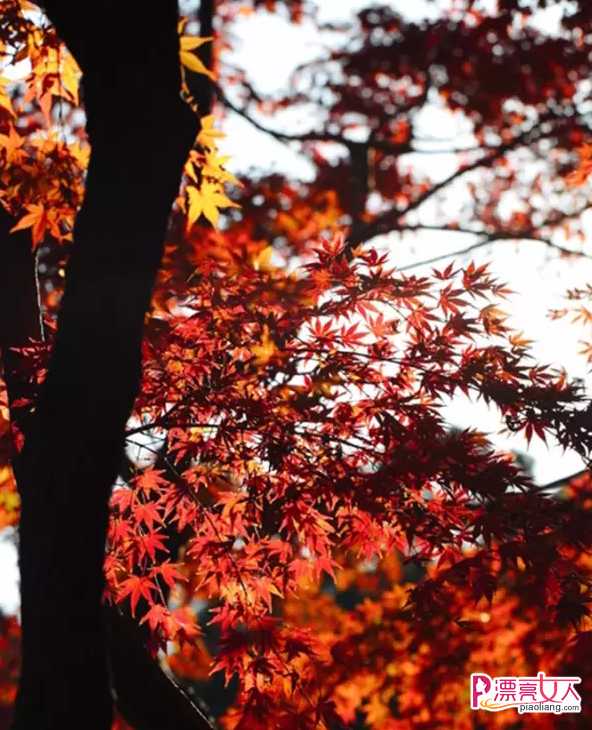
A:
[284,504]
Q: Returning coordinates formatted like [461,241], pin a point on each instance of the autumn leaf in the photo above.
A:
[151,481]
[136,587]
[190,60]
[169,572]
[208,134]
[207,201]
[11,142]
[156,617]
[150,543]
[36,219]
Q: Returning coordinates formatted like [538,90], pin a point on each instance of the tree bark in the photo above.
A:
[145,696]
[140,132]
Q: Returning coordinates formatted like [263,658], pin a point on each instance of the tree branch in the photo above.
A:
[372,142]
[389,220]
[528,234]
[147,698]
[558,483]
[485,242]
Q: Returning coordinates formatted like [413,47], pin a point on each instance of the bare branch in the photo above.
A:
[389,220]
[529,234]
[371,143]
[492,239]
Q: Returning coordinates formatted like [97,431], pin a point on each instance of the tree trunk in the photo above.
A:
[146,697]
[140,132]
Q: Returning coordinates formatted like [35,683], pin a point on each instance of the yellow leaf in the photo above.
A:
[70,76]
[195,205]
[191,42]
[190,60]
[206,201]
[214,167]
[262,260]
[208,134]
[190,170]
[193,63]
[9,498]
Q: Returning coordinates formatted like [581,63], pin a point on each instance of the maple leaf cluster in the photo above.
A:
[44,162]
[292,421]
[42,171]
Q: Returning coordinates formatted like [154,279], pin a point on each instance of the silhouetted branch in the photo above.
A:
[389,220]
[372,142]
[485,242]
[561,482]
[529,235]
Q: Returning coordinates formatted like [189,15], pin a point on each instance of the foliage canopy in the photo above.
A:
[293,510]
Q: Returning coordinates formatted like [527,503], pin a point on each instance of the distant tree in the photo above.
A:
[521,94]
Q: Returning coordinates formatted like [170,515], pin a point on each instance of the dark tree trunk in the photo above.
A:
[140,132]
[145,696]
